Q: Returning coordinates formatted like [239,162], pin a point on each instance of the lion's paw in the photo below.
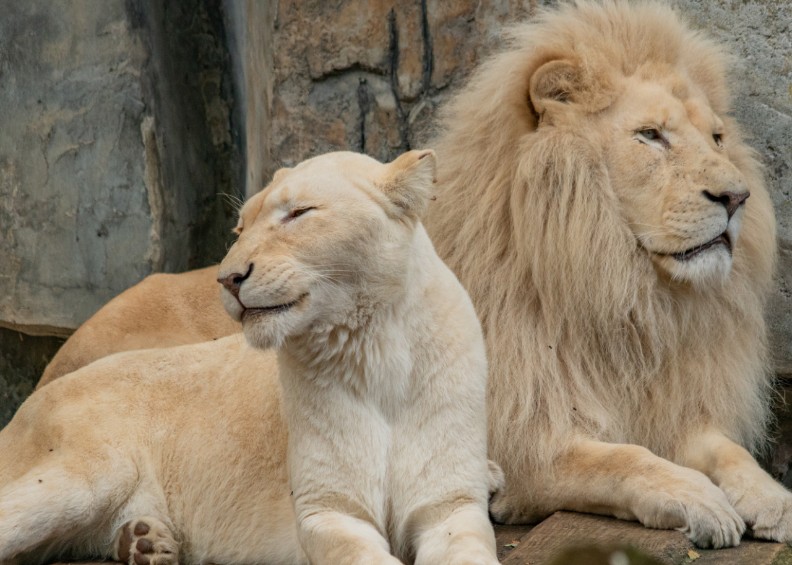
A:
[146,541]
[496,480]
[766,507]
[699,509]
[508,508]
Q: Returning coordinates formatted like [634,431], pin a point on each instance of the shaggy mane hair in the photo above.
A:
[584,337]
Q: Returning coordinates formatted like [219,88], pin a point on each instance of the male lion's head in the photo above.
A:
[323,239]
[613,229]
[665,150]
[609,122]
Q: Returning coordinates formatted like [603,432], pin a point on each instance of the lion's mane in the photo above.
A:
[584,337]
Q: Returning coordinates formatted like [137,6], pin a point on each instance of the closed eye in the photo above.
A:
[297,212]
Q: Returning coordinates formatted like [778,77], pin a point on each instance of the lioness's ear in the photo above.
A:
[555,82]
[408,181]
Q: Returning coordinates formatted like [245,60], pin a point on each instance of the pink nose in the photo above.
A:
[731,200]
[234,281]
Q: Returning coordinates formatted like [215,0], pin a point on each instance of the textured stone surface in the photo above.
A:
[118,143]
[366,76]
[22,359]
[75,221]
[116,140]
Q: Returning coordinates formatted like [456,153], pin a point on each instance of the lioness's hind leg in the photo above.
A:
[145,541]
[45,511]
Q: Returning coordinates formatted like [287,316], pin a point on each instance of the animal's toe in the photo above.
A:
[146,541]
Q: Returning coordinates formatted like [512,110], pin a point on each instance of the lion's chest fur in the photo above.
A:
[389,417]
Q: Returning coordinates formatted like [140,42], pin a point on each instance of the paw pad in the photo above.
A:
[146,541]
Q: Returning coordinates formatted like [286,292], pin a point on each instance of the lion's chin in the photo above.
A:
[269,326]
[706,267]
[271,310]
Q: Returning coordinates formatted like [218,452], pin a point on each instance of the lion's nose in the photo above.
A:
[233,281]
[731,200]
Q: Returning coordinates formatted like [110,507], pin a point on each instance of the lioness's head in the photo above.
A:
[324,239]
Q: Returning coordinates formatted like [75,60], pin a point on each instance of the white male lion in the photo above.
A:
[594,200]
[179,455]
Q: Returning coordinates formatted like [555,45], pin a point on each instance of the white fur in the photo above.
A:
[382,364]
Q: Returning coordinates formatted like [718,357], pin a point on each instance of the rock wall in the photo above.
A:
[116,140]
[76,221]
[360,75]
[121,128]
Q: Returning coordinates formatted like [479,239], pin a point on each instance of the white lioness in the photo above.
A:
[381,361]
[179,454]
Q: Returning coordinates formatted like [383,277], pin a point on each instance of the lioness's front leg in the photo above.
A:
[333,538]
[765,505]
[629,482]
[462,537]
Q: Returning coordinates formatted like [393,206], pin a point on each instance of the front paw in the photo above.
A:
[766,507]
[508,508]
[696,507]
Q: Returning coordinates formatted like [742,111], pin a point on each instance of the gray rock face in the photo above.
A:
[117,146]
[75,218]
[116,141]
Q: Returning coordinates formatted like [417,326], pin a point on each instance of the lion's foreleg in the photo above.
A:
[463,537]
[764,504]
[630,482]
[333,538]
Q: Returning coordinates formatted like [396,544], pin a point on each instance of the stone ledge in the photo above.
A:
[563,531]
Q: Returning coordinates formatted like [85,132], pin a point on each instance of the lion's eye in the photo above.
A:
[718,139]
[297,212]
[650,134]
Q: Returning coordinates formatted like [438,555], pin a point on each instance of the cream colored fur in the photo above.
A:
[385,377]
[622,382]
[190,436]
[381,360]
[623,379]
[161,311]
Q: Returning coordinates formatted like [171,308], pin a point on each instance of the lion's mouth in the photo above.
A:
[722,239]
[275,309]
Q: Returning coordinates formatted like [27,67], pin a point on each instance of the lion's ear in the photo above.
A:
[408,181]
[555,82]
